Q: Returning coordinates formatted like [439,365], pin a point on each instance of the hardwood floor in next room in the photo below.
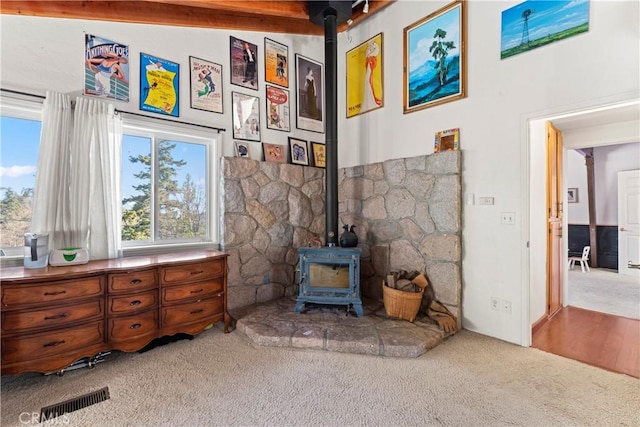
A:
[598,339]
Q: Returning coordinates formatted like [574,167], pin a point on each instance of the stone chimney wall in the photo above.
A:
[407,214]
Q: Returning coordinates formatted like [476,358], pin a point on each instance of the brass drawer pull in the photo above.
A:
[58,316]
[135,326]
[135,281]
[197,272]
[200,310]
[198,291]
[55,293]
[135,302]
[54,343]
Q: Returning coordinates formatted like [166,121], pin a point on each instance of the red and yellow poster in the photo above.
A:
[365,77]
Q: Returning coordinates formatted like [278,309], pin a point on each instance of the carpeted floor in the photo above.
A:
[221,379]
[605,291]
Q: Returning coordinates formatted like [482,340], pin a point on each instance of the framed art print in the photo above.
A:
[159,85]
[309,77]
[447,140]
[276,63]
[572,195]
[278,109]
[319,155]
[365,77]
[299,150]
[274,153]
[244,63]
[106,69]
[435,58]
[246,116]
[242,149]
[206,85]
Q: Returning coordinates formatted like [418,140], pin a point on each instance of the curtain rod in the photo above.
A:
[172,121]
[17,92]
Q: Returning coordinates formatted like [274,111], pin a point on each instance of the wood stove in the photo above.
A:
[330,275]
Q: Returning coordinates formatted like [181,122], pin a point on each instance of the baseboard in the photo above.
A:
[539,324]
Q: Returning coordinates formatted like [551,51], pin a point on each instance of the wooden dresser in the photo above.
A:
[54,316]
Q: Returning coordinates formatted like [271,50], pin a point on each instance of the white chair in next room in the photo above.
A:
[583,260]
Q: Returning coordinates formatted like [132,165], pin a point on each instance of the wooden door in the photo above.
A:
[554,219]
[629,223]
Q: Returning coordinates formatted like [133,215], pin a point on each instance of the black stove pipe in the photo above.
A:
[331,102]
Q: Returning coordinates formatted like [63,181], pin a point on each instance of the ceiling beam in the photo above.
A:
[357,15]
[289,9]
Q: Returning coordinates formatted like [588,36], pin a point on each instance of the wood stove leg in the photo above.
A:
[358,308]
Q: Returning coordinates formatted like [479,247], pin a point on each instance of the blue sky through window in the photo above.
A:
[19,146]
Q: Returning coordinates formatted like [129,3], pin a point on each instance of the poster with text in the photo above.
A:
[278,109]
[276,63]
[364,77]
[159,85]
[206,85]
[244,63]
[310,103]
[106,68]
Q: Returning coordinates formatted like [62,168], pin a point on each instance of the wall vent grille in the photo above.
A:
[53,411]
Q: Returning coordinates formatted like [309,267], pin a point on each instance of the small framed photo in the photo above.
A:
[572,195]
[447,140]
[310,102]
[274,153]
[244,63]
[319,155]
[276,63]
[246,116]
[299,150]
[242,149]
[206,85]
[278,109]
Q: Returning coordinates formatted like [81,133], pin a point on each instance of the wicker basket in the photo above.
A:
[401,304]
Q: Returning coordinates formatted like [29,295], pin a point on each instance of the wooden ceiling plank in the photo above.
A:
[288,9]
[358,15]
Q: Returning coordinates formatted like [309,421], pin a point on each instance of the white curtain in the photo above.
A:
[51,194]
[96,148]
[77,192]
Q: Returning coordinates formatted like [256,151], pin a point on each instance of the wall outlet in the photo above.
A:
[495,304]
[506,306]
[508,218]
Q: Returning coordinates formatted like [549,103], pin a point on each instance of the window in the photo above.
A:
[168,184]
[20,125]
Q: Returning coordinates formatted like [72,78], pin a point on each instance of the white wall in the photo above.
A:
[608,161]
[40,54]
[501,95]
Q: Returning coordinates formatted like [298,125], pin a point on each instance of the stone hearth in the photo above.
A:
[333,328]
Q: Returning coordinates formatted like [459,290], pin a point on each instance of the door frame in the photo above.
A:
[534,254]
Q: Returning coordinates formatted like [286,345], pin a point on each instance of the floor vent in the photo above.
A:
[53,411]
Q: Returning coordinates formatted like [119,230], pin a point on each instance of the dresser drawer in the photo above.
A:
[130,303]
[51,292]
[191,312]
[192,272]
[173,294]
[20,321]
[133,281]
[129,327]
[39,346]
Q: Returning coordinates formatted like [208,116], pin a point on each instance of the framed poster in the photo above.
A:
[299,151]
[246,116]
[159,85]
[447,140]
[278,109]
[274,153]
[365,77]
[242,149]
[310,80]
[244,62]
[535,23]
[106,68]
[319,155]
[206,85]
[435,59]
[276,63]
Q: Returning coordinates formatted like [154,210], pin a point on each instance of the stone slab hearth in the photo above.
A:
[333,328]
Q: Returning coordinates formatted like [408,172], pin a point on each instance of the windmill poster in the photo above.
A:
[533,24]
[106,68]
[159,85]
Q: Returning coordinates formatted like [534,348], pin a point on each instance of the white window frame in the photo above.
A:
[20,108]
[148,127]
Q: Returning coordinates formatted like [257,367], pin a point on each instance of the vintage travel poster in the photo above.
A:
[276,63]
[364,77]
[206,85]
[159,85]
[106,68]
[278,109]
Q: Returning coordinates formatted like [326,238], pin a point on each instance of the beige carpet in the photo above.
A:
[219,380]
[605,291]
